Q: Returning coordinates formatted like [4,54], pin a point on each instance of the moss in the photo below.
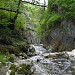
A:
[24,69]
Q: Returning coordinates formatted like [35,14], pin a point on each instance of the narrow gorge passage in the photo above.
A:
[37,37]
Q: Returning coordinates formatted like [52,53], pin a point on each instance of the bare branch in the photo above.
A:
[10,10]
[19,11]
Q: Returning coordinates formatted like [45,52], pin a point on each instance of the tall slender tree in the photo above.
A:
[17,12]
[12,25]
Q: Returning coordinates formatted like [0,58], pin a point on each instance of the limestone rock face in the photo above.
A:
[62,37]
[32,38]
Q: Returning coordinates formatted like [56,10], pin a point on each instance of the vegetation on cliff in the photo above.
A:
[57,11]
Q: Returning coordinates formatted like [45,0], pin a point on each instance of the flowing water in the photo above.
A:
[52,65]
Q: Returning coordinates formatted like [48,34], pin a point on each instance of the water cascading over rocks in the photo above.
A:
[49,63]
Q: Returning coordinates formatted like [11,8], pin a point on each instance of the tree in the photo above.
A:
[12,8]
[17,12]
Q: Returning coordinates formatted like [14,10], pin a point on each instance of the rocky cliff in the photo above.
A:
[62,37]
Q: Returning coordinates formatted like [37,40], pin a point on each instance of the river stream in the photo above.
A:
[52,65]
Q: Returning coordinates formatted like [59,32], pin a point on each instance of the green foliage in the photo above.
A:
[42,26]
[70,15]
[20,21]
[7,17]
[68,8]
[48,21]
[2,58]
[9,4]
[51,19]
[33,14]
[50,2]
[39,31]
[10,28]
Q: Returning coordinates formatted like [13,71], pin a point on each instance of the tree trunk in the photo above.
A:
[17,12]
[44,4]
[12,26]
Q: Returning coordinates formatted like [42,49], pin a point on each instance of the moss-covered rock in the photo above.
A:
[13,69]
[24,69]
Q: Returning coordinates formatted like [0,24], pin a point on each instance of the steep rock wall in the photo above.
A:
[62,37]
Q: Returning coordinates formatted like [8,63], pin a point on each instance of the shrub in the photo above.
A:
[68,8]
[53,21]
[13,69]
[24,69]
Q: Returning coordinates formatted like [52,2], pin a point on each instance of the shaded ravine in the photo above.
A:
[47,63]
